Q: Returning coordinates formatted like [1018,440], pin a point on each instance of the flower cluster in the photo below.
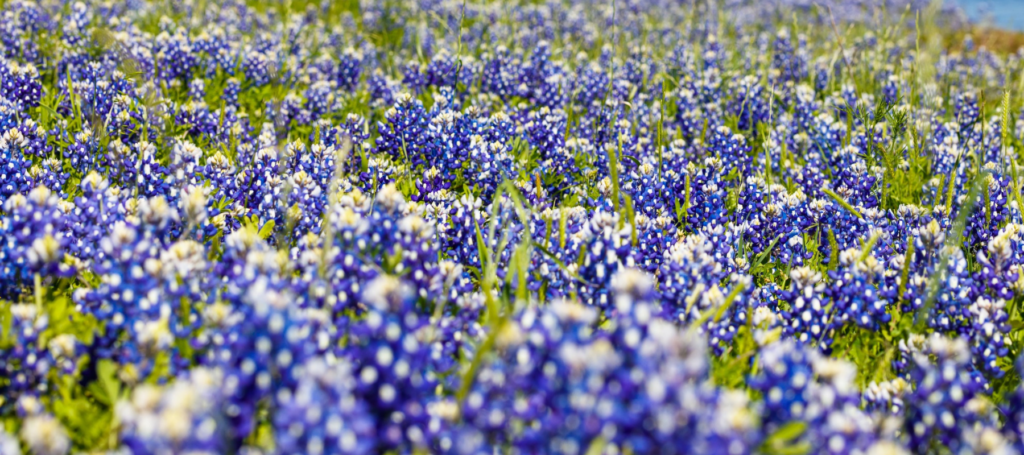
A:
[467,227]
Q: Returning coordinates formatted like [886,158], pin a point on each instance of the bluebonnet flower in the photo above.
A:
[232,88]
[777,228]
[9,111]
[24,363]
[262,192]
[887,396]
[545,131]
[349,68]
[566,382]
[94,213]
[33,233]
[184,416]
[126,119]
[347,269]
[890,90]
[852,181]
[381,88]
[604,245]
[321,415]
[690,283]
[21,83]
[307,201]
[786,374]
[175,54]
[50,174]
[500,75]
[749,104]
[730,149]
[989,334]
[387,234]
[15,164]
[490,160]
[591,84]
[404,136]
[654,238]
[296,231]
[1000,262]
[256,335]
[391,365]
[706,205]
[952,296]
[799,384]
[855,292]
[413,78]
[256,67]
[1014,412]
[689,115]
[806,318]
[945,402]
[984,221]
[458,330]
[124,252]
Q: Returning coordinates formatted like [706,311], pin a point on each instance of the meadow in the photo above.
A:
[474,227]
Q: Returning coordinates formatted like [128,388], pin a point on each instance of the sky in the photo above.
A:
[1004,13]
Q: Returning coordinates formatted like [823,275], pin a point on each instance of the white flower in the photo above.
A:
[156,211]
[45,250]
[62,346]
[628,286]
[193,205]
[391,199]
[386,292]
[9,444]
[44,435]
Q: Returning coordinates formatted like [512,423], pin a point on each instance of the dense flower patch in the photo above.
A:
[478,227]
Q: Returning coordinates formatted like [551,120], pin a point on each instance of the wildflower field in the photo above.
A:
[478,227]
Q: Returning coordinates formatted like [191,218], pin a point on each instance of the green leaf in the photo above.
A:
[107,387]
[833,259]
[762,258]
[838,199]
[596,446]
[800,448]
[481,247]
[267,230]
[788,432]
[784,440]
[869,245]
[736,290]
[631,159]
